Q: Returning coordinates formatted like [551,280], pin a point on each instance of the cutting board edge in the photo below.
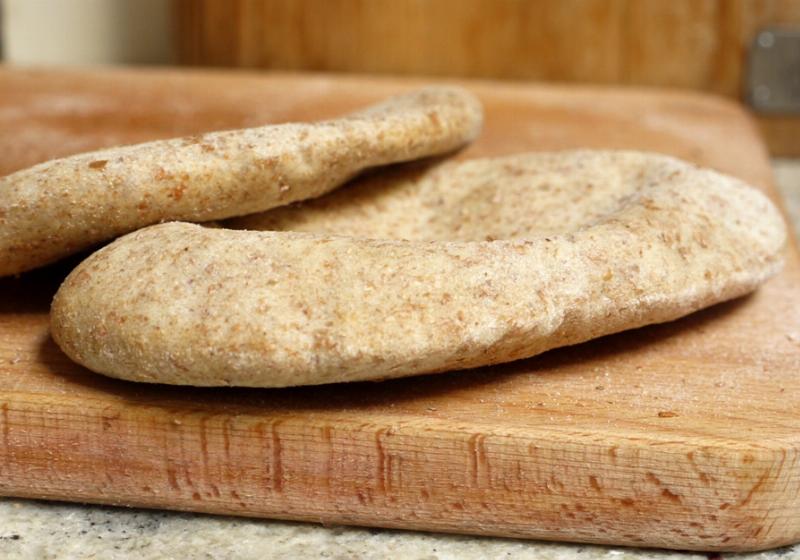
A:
[744,545]
[752,481]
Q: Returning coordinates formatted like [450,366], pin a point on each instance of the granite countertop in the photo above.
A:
[42,530]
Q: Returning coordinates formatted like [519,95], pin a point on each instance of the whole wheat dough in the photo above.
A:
[60,207]
[598,242]
[479,200]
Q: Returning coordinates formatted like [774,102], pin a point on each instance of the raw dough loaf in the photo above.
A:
[57,208]
[581,244]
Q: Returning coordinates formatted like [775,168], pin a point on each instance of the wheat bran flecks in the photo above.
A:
[454,266]
[62,206]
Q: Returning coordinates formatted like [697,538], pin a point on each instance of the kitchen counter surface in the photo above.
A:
[41,530]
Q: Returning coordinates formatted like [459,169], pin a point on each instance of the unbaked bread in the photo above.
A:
[478,200]
[596,242]
[60,207]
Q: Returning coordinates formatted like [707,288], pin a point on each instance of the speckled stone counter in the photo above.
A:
[31,530]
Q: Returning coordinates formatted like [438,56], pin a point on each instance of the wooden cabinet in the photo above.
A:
[698,44]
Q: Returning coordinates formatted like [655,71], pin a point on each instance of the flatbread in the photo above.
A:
[583,244]
[516,197]
[57,208]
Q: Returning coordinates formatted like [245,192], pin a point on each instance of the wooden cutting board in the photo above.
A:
[683,435]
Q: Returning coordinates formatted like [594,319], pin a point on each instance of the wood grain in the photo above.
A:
[696,44]
[683,435]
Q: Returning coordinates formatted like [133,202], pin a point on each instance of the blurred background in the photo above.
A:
[747,50]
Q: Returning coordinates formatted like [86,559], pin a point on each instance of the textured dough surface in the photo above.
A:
[479,200]
[62,206]
[646,239]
